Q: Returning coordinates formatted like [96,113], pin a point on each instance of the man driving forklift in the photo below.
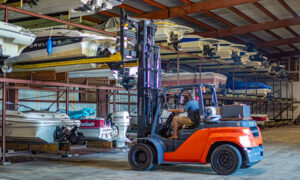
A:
[178,121]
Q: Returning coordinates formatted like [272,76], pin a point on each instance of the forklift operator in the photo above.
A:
[178,121]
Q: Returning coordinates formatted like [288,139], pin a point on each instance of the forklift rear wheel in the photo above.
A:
[141,157]
[226,159]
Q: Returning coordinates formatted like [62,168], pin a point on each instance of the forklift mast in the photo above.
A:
[149,78]
[143,49]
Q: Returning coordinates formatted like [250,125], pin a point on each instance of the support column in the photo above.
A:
[178,68]
[13,96]
[114,101]
[57,100]
[233,85]
[102,103]
[3,117]
[67,96]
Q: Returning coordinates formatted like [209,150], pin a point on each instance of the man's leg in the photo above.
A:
[175,127]
[177,123]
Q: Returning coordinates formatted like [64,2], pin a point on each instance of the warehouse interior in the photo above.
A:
[105,89]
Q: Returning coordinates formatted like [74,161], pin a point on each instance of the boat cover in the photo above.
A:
[240,85]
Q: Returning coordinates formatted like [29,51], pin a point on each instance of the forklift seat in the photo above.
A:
[184,134]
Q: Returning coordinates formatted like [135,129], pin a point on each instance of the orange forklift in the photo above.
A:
[226,145]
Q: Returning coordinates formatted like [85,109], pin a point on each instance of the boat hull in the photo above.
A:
[13,39]
[193,78]
[35,126]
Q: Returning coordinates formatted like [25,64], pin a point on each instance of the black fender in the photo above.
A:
[157,144]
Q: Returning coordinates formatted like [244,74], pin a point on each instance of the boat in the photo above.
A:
[170,79]
[71,8]
[67,45]
[166,30]
[97,129]
[13,40]
[261,119]
[249,88]
[170,31]
[35,126]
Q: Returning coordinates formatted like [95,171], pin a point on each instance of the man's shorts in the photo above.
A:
[184,120]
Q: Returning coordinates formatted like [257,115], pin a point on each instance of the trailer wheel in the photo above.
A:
[141,157]
[226,159]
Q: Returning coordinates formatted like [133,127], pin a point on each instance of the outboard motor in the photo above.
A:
[211,114]
[121,120]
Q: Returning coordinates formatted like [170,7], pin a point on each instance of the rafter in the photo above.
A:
[268,13]
[193,8]
[195,21]
[198,23]
[252,28]
[285,54]
[156,4]
[278,42]
[252,21]
[188,2]
[87,18]
[288,8]
[132,9]
[106,13]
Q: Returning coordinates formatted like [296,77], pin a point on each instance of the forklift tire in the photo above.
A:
[141,157]
[226,159]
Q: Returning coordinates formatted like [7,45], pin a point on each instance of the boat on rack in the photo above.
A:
[249,88]
[66,44]
[170,79]
[35,126]
[13,40]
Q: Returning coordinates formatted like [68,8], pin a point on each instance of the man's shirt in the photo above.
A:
[191,105]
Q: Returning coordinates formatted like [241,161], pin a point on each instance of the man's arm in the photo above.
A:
[180,110]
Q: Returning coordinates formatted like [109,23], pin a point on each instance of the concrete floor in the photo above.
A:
[282,161]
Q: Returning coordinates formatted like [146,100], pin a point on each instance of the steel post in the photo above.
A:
[6,15]
[67,96]
[178,69]
[3,117]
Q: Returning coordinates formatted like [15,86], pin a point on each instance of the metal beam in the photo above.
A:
[57,84]
[87,18]
[251,28]
[130,8]
[288,8]
[195,21]
[193,8]
[106,13]
[285,54]
[156,4]
[278,42]
[252,21]
[198,23]
[187,2]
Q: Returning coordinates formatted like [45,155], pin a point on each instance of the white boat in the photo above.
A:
[170,31]
[13,39]
[75,8]
[35,126]
[170,79]
[262,92]
[166,30]
[66,44]
[97,129]
[261,119]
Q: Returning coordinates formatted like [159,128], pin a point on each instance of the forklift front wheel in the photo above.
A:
[226,159]
[141,157]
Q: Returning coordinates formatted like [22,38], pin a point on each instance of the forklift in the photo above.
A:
[226,145]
